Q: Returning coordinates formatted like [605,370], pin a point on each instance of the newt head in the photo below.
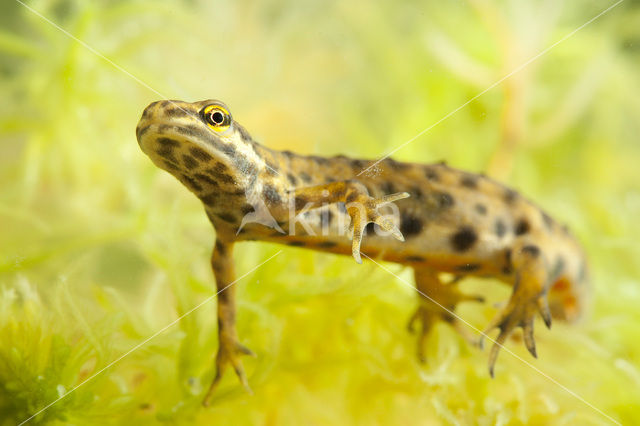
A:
[200,144]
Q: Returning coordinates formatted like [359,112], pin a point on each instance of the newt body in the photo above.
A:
[445,220]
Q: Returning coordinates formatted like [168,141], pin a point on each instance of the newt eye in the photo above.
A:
[217,117]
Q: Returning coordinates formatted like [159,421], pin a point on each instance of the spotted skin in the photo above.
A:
[449,221]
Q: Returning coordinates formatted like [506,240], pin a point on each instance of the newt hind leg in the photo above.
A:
[529,297]
[438,301]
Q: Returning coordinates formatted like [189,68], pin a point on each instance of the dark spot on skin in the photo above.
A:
[246,209]
[227,217]
[481,209]
[327,244]
[469,181]
[414,259]
[288,154]
[532,250]
[507,268]
[318,159]
[292,179]
[444,199]
[296,243]
[500,228]
[546,219]
[359,164]
[238,192]
[200,154]
[396,165]
[410,225]
[305,177]
[416,193]
[191,183]
[522,227]
[189,162]
[204,178]
[329,180]
[271,194]
[468,267]
[221,247]
[464,238]
[388,188]
[432,175]
[301,201]
[223,297]
[510,196]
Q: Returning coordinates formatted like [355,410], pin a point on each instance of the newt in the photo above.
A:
[445,221]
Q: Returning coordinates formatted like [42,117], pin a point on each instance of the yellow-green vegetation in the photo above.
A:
[99,249]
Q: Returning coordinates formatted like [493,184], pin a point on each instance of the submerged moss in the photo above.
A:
[99,250]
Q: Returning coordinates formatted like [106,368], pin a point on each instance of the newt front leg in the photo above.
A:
[361,207]
[229,349]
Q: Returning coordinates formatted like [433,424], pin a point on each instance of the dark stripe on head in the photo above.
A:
[189,162]
[206,179]
[200,154]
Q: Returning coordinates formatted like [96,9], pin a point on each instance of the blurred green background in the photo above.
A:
[99,249]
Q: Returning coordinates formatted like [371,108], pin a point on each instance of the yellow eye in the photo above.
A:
[217,117]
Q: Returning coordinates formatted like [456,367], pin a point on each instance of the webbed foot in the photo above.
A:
[229,352]
[363,209]
[517,313]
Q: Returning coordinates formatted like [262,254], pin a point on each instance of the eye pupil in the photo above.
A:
[217,117]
